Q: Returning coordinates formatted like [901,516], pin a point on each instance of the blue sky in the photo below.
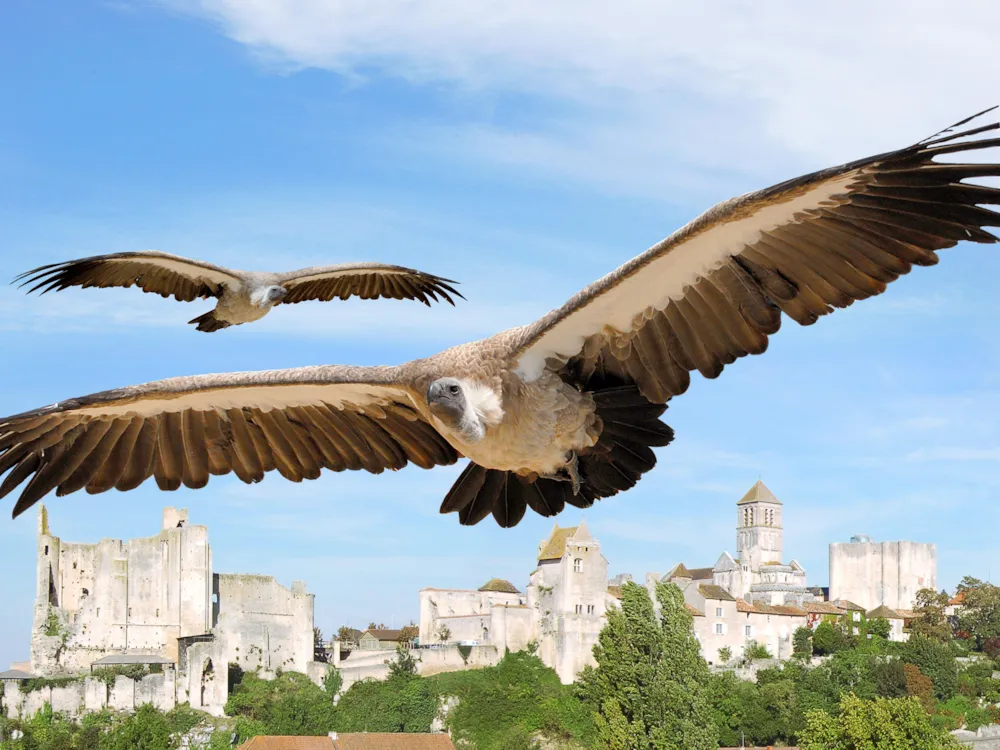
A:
[525,149]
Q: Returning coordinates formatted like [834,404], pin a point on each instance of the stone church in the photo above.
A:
[757,574]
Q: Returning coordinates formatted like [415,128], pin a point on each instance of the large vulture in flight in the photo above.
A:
[244,296]
[564,410]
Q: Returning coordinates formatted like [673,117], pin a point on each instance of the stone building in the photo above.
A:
[757,573]
[562,609]
[157,600]
[875,574]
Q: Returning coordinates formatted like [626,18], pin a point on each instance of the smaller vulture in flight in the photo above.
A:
[565,410]
[244,296]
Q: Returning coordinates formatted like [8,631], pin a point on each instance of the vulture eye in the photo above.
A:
[453,390]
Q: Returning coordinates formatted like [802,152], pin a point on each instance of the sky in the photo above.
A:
[525,149]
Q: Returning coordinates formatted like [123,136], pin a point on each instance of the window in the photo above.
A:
[718,628]
[129,611]
[746,631]
[98,611]
[74,566]
[590,609]
[579,609]
[157,613]
[856,616]
[46,549]
[578,565]
[84,592]
[718,611]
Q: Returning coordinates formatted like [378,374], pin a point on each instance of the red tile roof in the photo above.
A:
[373,741]
[288,743]
[353,741]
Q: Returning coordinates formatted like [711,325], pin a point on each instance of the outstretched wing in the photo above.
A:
[150,270]
[184,430]
[367,281]
[714,290]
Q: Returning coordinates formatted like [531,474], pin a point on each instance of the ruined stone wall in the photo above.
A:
[90,694]
[262,624]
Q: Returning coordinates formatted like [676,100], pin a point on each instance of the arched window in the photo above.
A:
[578,565]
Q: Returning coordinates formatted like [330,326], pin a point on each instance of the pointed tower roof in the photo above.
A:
[555,546]
[759,493]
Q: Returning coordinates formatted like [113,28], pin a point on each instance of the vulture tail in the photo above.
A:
[209,323]
[623,453]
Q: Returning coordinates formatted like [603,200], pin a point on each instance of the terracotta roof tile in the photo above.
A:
[288,743]
[769,609]
[711,591]
[884,611]
[700,574]
[693,610]
[822,608]
[374,741]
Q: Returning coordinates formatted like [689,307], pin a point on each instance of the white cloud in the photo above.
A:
[613,84]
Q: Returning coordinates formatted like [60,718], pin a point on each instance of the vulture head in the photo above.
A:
[273,295]
[449,402]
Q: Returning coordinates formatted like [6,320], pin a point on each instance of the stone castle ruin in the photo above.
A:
[157,601]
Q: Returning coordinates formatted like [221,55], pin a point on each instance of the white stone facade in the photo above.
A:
[877,574]
[562,609]
[158,596]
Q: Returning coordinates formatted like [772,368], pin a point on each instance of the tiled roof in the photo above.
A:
[711,591]
[382,635]
[288,743]
[15,674]
[615,591]
[769,609]
[374,741]
[849,605]
[555,547]
[958,598]
[695,574]
[499,585]
[908,614]
[700,574]
[822,608]
[759,493]
[693,610]
[884,611]
[680,571]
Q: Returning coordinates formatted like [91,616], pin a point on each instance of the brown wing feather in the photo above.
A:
[878,218]
[367,281]
[150,270]
[183,431]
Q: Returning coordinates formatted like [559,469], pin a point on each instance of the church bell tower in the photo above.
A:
[758,528]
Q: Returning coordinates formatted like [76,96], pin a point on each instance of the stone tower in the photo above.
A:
[758,528]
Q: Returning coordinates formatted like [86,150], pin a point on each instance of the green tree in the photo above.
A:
[881,724]
[333,681]
[979,614]
[890,678]
[347,634]
[408,632]
[444,633]
[648,688]
[404,664]
[754,651]
[290,704]
[725,655]
[936,660]
[878,627]
[931,621]
[827,639]
[802,646]
[398,704]
[146,729]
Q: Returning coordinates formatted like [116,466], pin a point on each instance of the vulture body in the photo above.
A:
[565,410]
[244,296]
